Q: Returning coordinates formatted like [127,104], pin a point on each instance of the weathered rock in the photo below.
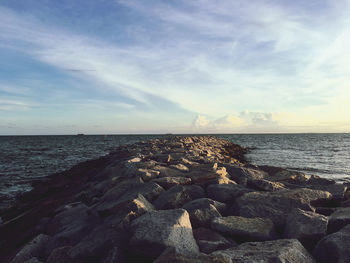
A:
[337,190]
[264,185]
[180,167]
[203,203]
[59,255]
[34,249]
[277,205]
[177,196]
[291,177]
[115,255]
[245,229]
[203,216]
[155,231]
[316,180]
[71,224]
[339,219]
[95,245]
[226,193]
[32,260]
[308,227]
[277,251]
[210,241]
[147,174]
[241,175]
[168,182]
[138,204]
[172,256]
[168,172]
[334,248]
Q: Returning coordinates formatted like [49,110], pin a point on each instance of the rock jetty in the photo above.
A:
[179,199]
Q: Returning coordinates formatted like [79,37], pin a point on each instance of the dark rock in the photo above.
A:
[326,211]
[172,256]
[339,219]
[96,244]
[34,249]
[226,193]
[155,231]
[210,241]
[277,251]
[334,248]
[277,205]
[115,255]
[337,190]
[203,203]
[306,226]
[59,255]
[177,196]
[316,180]
[32,260]
[245,229]
[168,182]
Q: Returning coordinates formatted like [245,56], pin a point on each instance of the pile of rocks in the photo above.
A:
[181,199]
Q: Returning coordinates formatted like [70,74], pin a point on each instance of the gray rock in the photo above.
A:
[210,241]
[168,172]
[277,251]
[202,217]
[168,182]
[147,174]
[95,245]
[203,203]
[277,205]
[155,231]
[173,256]
[32,260]
[59,255]
[177,196]
[339,219]
[115,255]
[180,167]
[226,193]
[308,227]
[34,249]
[334,248]
[137,204]
[241,175]
[337,190]
[245,229]
[265,185]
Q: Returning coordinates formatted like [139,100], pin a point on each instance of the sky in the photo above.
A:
[200,66]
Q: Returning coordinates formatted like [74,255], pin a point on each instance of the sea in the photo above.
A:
[26,159]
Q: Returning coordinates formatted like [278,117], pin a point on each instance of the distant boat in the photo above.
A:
[80,134]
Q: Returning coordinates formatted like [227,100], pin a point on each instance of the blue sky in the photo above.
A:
[202,66]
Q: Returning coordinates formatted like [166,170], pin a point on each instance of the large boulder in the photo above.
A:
[155,231]
[210,241]
[226,193]
[245,229]
[339,219]
[337,190]
[168,182]
[308,227]
[265,185]
[177,196]
[203,203]
[277,205]
[277,251]
[34,249]
[334,248]
[243,174]
[59,255]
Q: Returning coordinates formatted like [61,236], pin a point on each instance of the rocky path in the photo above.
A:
[181,199]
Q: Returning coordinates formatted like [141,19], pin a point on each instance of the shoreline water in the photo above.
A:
[90,194]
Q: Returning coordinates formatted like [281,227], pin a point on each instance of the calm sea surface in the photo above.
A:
[24,159]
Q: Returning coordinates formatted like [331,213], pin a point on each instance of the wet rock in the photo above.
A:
[59,255]
[168,182]
[245,229]
[277,251]
[277,205]
[34,249]
[155,231]
[339,219]
[226,193]
[308,227]
[172,256]
[334,248]
[210,241]
[177,196]
[264,185]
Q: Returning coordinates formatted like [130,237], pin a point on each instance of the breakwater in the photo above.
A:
[178,199]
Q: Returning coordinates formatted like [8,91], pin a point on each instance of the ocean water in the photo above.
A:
[24,159]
